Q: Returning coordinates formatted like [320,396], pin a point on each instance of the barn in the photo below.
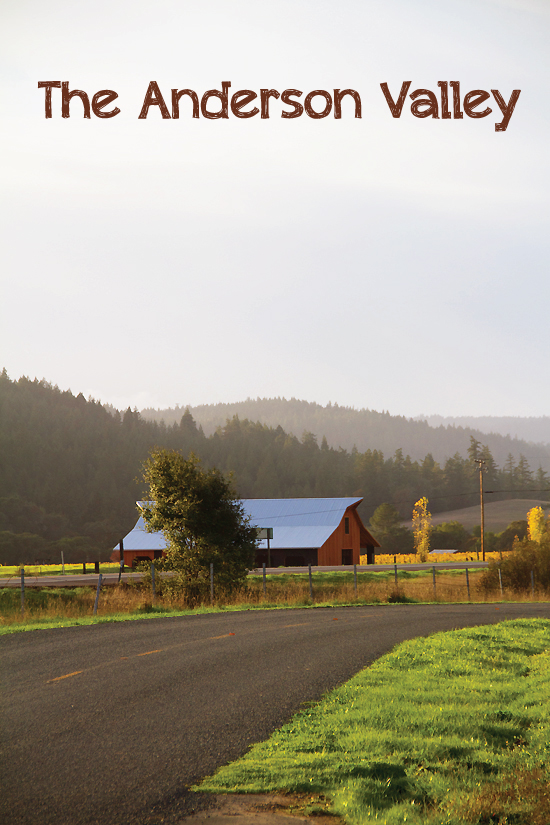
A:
[316,531]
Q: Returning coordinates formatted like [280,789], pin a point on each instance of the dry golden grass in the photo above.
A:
[281,591]
[522,798]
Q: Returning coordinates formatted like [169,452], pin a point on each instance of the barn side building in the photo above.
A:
[317,531]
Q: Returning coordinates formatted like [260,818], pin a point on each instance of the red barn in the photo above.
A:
[317,531]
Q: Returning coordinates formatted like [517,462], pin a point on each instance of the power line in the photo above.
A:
[458,495]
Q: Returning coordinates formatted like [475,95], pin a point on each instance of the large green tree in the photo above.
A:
[202,520]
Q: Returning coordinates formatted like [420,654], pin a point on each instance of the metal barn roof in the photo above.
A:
[140,539]
[298,523]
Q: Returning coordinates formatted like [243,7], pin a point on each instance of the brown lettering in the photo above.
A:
[309,108]
[265,94]
[177,95]
[338,95]
[286,98]
[396,108]
[445,113]
[102,99]
[506,109]
[430,101]
[154,97]
[475,98]
[66,96]
[49,85]
[242,98]
[455,86]
[223,112]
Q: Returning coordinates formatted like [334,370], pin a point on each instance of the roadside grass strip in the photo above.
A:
[449,729]
[52,607]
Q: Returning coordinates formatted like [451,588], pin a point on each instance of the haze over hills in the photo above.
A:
[534,429]
[367,429]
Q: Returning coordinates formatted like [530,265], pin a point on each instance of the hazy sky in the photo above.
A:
[388,263]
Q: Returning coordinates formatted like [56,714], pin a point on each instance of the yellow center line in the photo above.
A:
[146,653]
[66,676]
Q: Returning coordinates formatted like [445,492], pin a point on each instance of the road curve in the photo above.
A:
[110,724]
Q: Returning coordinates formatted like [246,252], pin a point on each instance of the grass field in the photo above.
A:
[8,571]
[444,730]
[61,607]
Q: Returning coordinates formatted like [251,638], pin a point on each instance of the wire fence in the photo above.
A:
[394,584]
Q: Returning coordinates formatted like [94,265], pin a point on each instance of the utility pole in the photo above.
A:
[482,467]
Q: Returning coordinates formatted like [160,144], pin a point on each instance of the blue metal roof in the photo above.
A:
[296,522]
[140,539]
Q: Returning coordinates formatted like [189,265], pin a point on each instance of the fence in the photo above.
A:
[442,583]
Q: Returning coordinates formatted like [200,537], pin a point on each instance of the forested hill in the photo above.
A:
[364,429]
[70,469]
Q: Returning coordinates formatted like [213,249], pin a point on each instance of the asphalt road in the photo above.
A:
[110,724]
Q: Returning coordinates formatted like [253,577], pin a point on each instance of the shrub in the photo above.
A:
[506,538]
[517,565]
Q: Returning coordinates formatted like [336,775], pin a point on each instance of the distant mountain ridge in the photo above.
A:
[364,429]
[533,429]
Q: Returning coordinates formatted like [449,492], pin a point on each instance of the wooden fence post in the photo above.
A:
[153,581]
[355,579]
[97,593]
[500,582]
[263,577]
[433,579]
[532,583]
[212,583]
[310,583]
[468,584]
[22,591]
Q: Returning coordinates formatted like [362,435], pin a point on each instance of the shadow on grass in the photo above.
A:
[384,784]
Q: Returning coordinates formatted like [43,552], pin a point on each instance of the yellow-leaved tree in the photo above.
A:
[422,527]
[536,524]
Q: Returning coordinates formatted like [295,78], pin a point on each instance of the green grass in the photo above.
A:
[450,729]
[344,577]
[138,614]
[149,611]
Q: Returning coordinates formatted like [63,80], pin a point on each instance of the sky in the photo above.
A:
[395,264]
